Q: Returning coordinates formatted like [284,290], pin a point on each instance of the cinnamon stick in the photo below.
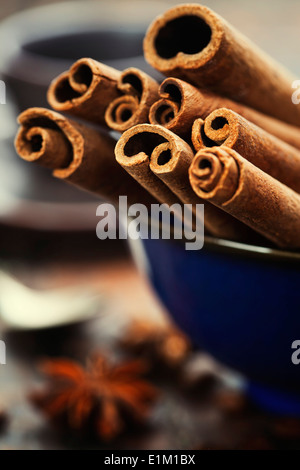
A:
[195,44]
[76,154]
[139,92]
[134,152]
[85,90]
[159,160]
[226,128]
[222,176]
[181,103]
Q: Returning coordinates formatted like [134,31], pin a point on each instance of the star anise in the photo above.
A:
[162,343]
[101,397]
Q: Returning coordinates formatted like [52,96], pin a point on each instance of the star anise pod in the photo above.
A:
[162,343]
[101,397]
[3,419]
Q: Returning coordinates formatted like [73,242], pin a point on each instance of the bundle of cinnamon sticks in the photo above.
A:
[220,130]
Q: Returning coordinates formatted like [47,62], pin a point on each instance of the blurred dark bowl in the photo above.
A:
[40,43]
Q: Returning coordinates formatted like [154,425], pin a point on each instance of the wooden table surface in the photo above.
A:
[183,418]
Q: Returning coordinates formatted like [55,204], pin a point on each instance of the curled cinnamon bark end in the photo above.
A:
[139,92]
[183,37]
[247,193]
[49,139]
[85,90]
[180,104]
[208,171]
[219,128]
[170,162]
[214,175]
[70,149]
[159,160]
[226,128]
[45,145]
[144,147]
[76,154]
[193,43]
[199,138]
[167,111]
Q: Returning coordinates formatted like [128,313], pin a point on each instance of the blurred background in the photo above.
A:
[48,239]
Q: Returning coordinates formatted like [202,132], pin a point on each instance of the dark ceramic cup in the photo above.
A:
[42,42]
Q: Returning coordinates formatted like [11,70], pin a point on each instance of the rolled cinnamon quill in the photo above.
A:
[134,152]
[76,154]
[181,103]
[85,90]
[227,128]
[159,160]
[193,43]
[222,176]
[139,92]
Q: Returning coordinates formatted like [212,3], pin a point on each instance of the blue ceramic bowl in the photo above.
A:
[240,303]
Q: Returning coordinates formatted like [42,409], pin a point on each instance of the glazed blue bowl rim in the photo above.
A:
[228,246]
[247,249]
[234,247]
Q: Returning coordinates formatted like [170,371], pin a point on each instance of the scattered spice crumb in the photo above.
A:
[162,343]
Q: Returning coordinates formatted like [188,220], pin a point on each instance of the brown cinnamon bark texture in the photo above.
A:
[85,90]
[222,176]
[160,161]
[181,103]
[227,128]
[76,154]
[139,92]
[193,43]
[134,152]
